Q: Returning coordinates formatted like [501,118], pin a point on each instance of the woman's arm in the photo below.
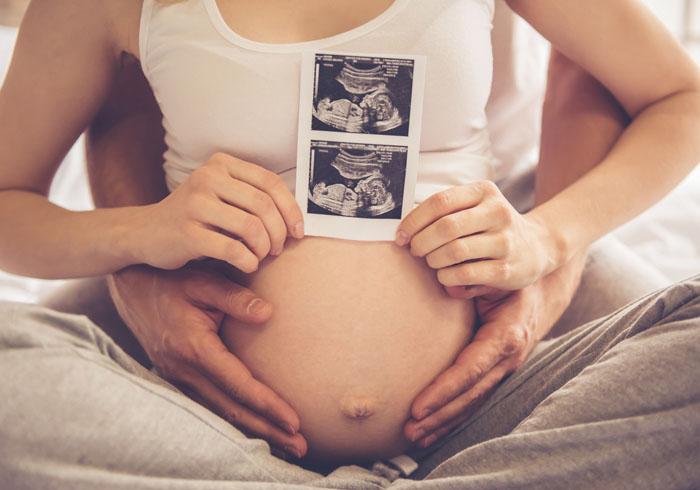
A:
[472,235]
[66,56]
[63,64]
[625,47]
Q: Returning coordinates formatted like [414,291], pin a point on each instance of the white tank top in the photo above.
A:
[219,91]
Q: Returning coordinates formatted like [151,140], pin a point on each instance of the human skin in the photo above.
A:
[107,241]
[577,109]
[352,348]
[176,316]
[581,121]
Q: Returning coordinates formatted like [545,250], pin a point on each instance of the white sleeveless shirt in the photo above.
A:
[219,91]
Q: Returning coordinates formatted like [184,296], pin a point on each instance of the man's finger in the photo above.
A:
[438,205]
[224,369]
[243,418]
[218,292]
[472,364]
[463,405]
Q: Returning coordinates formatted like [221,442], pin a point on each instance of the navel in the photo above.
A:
[358,407]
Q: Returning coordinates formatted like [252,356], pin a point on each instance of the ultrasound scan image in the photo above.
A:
[356,180]
[355,94]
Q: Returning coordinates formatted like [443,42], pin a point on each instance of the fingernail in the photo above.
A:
[401,238]
[428,441]
[276,251]
[417,435]
[298,230]
[293,451]
[290,429]
[256,306]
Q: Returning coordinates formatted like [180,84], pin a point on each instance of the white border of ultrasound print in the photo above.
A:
[366,229]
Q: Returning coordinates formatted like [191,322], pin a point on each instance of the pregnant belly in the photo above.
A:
[358,330]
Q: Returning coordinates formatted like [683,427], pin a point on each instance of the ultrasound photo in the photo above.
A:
[358,142]
[356,180]
[362,94]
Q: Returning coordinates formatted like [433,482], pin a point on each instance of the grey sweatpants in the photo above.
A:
[614,403]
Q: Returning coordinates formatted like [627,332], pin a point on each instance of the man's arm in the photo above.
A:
[125,144]
[580,122]
[175,315]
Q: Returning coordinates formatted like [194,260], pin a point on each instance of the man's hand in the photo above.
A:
[176,315]
[505,338]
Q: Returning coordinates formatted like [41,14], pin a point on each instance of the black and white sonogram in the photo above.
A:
[362,94]
[356,180]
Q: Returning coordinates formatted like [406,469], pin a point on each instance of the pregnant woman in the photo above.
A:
[347,346]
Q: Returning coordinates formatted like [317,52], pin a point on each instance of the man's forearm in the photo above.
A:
[580,123]
[125,144]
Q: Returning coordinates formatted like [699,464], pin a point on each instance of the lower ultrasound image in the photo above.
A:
[357,180]
[362,94]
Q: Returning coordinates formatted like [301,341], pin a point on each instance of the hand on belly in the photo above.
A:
[357,331]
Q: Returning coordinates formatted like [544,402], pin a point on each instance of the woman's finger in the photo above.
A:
[463,405]
[442,204]
[240,416]
[245,196]
[480,246]
[451,227]
[270,183]
[234,379]
[492,273]
[209,243]
[472,364]
[237,222]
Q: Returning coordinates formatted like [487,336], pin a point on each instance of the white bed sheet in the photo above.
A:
[667,235]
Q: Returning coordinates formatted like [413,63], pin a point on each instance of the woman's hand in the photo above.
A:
[472,236]
[228,209]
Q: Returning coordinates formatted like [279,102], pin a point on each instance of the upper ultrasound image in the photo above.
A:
[355,94]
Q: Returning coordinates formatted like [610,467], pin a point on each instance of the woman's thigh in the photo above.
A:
[609,405]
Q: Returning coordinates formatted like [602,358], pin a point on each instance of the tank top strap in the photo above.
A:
[171,22]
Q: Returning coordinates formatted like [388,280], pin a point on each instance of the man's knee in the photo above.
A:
[673,314]
[681,304]
[90,297]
